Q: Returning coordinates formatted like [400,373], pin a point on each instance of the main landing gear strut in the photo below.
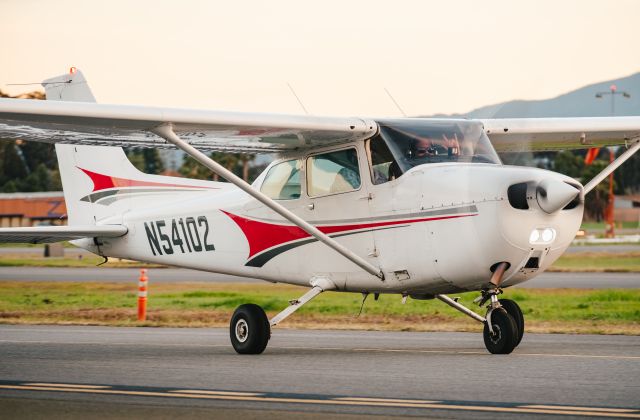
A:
[503,323]
[250,329]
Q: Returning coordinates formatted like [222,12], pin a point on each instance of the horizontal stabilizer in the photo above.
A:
[50,234]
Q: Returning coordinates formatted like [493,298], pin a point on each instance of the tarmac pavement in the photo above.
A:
[61,371]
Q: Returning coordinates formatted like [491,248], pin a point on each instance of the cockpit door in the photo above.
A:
[403,240]
[338,203]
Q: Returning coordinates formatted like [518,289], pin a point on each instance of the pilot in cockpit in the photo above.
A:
[422,147]
[426,147]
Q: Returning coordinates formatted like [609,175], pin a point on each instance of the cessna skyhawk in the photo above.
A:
[417,207]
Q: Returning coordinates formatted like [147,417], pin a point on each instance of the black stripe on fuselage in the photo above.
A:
[264,257]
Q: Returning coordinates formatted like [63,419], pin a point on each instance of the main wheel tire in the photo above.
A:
[503,340]
[249,329]
[514,310]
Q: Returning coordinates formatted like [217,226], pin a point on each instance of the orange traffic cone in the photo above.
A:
[142,295]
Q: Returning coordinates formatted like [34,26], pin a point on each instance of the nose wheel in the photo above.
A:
[504,322]
[502,337]
[514,310]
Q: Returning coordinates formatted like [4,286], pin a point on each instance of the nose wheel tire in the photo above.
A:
[505,333]
[249,329]
[514,310]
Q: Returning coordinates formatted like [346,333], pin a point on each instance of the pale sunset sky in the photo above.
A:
[339,56]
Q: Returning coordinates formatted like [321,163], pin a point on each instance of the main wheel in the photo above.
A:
[514,310]
[505,333]
[250,329]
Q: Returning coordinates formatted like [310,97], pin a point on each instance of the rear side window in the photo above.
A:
[334,172]
[283,181]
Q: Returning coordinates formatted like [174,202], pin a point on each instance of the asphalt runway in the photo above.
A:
[60,371]
[170,275]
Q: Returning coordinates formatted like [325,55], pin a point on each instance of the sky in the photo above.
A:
[339,56]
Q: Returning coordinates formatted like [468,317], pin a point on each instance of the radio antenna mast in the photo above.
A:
[297,98]
[396,103]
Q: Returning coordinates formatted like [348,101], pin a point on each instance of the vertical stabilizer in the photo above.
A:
[99,182]
[74,161]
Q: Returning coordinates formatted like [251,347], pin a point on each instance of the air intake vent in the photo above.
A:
[517,194]
[572,205]
[576,201]
[533,262]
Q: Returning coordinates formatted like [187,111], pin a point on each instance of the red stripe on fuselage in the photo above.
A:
[262,235]
[103,182]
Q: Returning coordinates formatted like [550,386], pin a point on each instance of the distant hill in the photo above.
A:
[578,103]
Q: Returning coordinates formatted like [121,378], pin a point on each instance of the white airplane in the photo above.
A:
[417,207]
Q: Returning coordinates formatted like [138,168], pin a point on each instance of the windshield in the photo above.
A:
[418,141]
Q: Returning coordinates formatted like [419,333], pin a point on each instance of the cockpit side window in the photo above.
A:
[333,172]
[282,182]
[384,168]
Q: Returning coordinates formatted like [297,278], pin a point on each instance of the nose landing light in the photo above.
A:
[542,236]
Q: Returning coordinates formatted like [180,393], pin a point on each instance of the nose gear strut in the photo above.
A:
[491,292]
[501,329]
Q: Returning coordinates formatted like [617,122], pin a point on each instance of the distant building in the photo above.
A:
[32,209]
[627,208]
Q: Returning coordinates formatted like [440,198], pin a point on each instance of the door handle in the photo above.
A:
[311,206]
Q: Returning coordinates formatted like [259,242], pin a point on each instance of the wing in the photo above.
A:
[540,134]
[49,234]
[128,126]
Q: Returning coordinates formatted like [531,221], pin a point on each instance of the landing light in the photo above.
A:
[542,236]
[535,235]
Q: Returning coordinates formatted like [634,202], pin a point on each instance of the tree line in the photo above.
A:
[626,179]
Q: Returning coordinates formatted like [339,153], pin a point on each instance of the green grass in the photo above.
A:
[598,262]
[200,304]
[601,225]
[36,260]
[22,245]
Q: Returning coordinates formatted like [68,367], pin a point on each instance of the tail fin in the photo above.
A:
[81,167]
[99,182]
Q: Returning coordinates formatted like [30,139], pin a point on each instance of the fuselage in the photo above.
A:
[438,228]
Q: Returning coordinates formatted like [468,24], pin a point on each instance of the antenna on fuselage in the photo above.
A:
[395,102]
[297,98]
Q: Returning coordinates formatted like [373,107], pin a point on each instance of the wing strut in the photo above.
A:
[166,132]
[612,167]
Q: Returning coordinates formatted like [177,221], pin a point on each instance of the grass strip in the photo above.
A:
[605,311]
[623,262]
[35,260]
